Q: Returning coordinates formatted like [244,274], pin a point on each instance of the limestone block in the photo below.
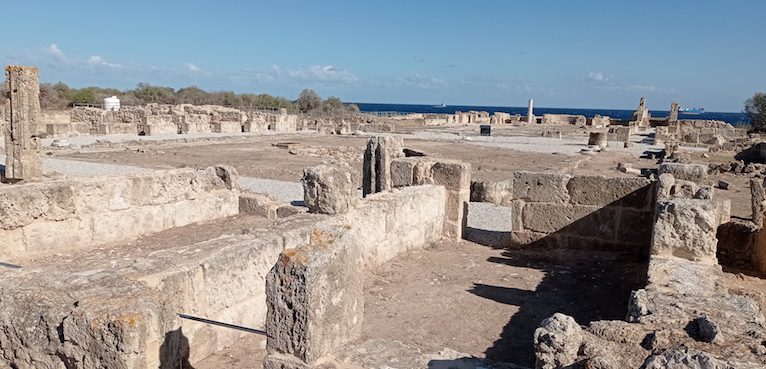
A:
[376,169]
[328,189]
[49,235]
[315,300]
[258,205]
[686,228]
[582,220]
[557,342]
[492,192]
[22,140]
[452,174]
[540,187]
[402,171]
[22,204]
[599,190]
[455,220]
[688,172]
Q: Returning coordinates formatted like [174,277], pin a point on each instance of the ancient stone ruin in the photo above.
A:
[168,268]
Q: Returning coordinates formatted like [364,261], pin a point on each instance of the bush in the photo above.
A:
[755,108]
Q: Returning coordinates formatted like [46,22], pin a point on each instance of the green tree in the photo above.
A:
[147,94]
[309,100]
[755,108]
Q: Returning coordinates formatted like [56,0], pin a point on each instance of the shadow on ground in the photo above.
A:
[588,287]
[174,351]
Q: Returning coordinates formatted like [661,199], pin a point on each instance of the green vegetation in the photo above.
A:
[60,96]
[755,108]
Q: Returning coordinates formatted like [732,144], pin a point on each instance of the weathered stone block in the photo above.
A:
[328,189]
[452,174]
[315,299]
[493,192]
[22,141]
[623,192]
[686,228]
[23,204]
[570,219]
[540,187]
[687,172]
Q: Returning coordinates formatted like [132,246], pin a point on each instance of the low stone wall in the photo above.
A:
[578,120]
[699,132]
[576,212]
[82,212]
[315,292]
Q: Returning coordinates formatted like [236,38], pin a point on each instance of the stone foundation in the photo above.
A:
[82,212]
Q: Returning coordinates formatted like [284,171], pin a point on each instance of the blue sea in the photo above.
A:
[732,118]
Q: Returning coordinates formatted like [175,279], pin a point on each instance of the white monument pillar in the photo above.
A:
[530,112]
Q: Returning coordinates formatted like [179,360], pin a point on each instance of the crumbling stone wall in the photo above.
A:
[578,120]
[84,212]
[699,132]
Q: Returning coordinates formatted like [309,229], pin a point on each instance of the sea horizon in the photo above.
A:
[734,118]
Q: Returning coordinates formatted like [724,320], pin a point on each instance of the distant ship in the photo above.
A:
[691,110]
[442,105]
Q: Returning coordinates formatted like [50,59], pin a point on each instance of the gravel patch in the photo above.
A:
[291,192]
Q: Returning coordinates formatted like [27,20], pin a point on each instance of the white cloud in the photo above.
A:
[192,68]
[97,60]
[598,77]
[57,53]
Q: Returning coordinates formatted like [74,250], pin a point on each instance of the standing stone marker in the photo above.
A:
[674,108]
[22,143]
[376,170]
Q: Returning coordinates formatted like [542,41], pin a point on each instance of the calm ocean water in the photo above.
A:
[733,118]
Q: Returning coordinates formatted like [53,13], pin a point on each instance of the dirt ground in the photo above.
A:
[487,302]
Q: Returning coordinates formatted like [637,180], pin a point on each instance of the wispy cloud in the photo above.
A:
[598,77]
[57,53]
[191,67]
[97,60]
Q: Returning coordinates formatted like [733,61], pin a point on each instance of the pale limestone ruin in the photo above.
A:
[22,152]
[169,268]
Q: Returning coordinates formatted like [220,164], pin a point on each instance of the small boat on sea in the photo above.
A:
[442,105]
[691,110]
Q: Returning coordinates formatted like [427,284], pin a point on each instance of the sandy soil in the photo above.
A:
[487,302]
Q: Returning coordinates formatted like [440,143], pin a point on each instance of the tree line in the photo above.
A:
[60,96]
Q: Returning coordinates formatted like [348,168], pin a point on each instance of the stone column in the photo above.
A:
[22,143]
[376,170]
[673,112]
[530,112]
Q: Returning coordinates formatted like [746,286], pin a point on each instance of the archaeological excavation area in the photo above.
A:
[182,236]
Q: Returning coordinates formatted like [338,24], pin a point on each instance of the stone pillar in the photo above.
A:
[376,170]
[22,143]
[530,112]
[328,189]
[673,112]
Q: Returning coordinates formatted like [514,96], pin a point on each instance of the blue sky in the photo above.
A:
[586,54]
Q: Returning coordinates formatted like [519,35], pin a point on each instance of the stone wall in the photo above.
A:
[575,212]
[579,120]
[154,119]
[315,292]
[83,212]
[699,132]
